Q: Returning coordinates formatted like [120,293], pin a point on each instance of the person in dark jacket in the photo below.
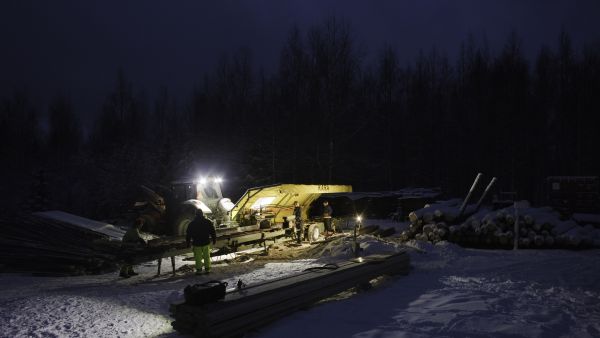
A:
[131,238]
[327,211]
[285,225]
[199,233]
[298,221]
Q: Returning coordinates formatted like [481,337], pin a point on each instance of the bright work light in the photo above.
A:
[359,218]
[218,180]
[202,180]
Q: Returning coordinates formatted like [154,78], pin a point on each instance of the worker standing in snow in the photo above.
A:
[298,221]
[199,233]
[131,238]
[327,211]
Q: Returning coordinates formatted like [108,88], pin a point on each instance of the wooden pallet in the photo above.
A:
[260,304]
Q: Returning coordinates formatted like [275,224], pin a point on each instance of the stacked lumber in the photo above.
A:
[58,243]
[532,227]
[46,246]
[156,248]
[37,244]
[257,305]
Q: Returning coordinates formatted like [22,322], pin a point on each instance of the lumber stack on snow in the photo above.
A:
[533,227]
[109,230]
[48,245]
[256,305]
[37,244]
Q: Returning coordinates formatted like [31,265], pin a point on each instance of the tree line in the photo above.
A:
[323,116]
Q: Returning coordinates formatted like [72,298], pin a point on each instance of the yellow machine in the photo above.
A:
[256,217]
[276,201]
[269,204]
[259,212]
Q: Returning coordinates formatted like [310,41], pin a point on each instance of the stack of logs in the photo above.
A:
[537,228]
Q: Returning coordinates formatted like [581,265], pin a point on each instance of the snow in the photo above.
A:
[460,292]
[450,292]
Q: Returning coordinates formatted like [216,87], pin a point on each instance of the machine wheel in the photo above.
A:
[182,222]
[313,233]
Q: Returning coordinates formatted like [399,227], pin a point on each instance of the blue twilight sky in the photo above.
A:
[76,47]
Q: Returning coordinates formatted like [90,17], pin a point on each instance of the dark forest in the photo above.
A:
[324,116]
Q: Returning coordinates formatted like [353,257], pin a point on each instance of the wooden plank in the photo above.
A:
[276,310]
[265,315]
[265,302]
[286,282]
[273,312]
[261,289]
[286,289]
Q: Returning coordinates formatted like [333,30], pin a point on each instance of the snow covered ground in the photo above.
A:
[456,292]
[451,292]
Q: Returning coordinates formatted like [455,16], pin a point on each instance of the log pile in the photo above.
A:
[533,227]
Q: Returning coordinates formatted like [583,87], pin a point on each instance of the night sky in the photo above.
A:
[75,47]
